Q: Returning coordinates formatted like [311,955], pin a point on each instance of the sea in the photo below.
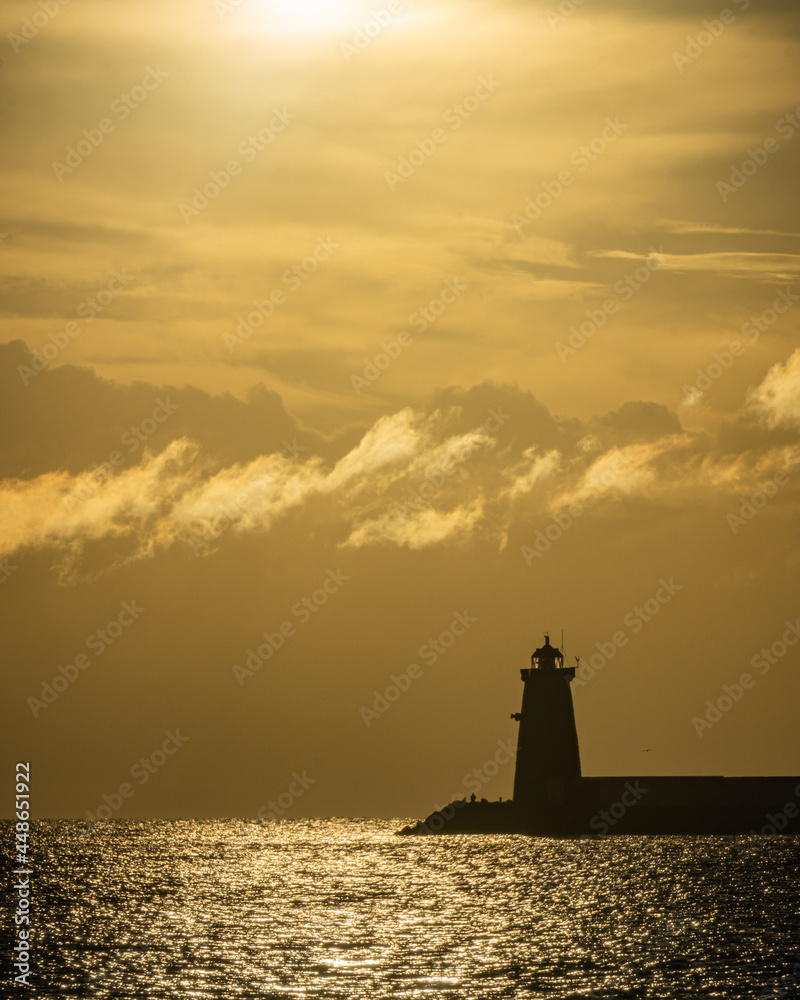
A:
[346,908]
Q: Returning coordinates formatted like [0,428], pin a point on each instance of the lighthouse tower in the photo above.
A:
[548,760]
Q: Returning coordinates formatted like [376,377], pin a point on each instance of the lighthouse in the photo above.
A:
[548,769]
[552,798]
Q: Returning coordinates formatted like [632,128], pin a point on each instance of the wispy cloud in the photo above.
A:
[682,227]
[419,530]
[409,482]
[740,264]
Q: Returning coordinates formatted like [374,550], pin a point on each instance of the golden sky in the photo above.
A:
[486,309]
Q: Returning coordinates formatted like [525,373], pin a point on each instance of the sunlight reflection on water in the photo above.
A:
[345,908]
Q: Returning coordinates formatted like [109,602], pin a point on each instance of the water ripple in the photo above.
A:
[344,908]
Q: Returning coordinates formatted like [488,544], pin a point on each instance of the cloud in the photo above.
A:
[531,470]
[420,530]
[325,176]
[618,472]
[463,469]
[740,264]
[178,495]
[682,227]
[776,399]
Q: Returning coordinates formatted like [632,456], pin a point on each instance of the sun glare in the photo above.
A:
[310,15]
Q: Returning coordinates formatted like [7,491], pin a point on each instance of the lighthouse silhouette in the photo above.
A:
[553,798]
[548,771]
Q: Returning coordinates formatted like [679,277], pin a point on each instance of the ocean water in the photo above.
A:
[345,908]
